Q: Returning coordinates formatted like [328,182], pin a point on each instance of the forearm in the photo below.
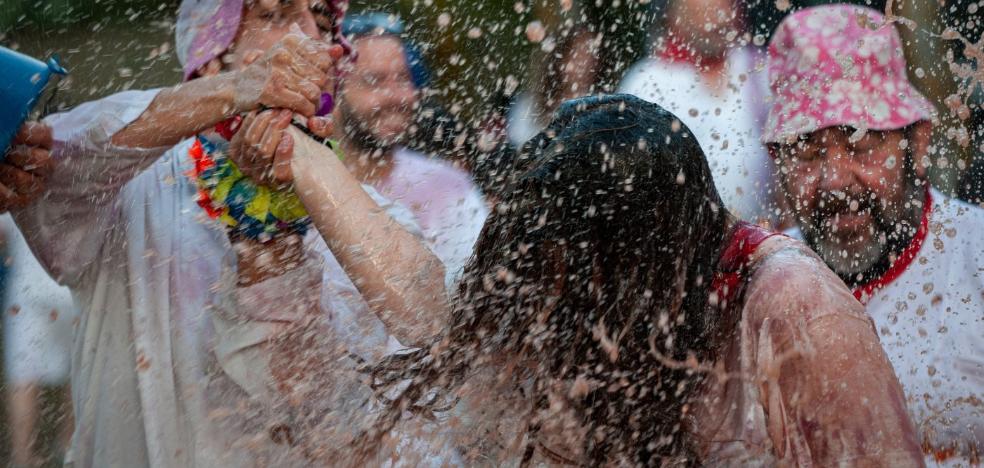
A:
[180,112]
[401,279]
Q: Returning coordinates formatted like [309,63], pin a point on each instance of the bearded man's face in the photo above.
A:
[378,96]
[847,190]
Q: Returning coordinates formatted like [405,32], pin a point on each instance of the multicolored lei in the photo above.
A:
[246,208]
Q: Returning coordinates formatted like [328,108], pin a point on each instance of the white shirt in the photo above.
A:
[121,228]
[727,125]
[522,122]
[931,323]
[38,319]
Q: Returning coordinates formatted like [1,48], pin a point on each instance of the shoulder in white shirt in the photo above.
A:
[931,323]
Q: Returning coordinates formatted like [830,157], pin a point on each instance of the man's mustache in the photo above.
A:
[394,108]
[833,204]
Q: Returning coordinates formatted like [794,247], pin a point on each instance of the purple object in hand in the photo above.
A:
[327,105]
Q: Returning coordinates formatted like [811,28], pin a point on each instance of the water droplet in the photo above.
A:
[443,20]
[535,32]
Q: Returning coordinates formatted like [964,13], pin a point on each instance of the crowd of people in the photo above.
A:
[737,259]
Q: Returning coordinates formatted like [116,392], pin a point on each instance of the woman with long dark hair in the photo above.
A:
[615,313]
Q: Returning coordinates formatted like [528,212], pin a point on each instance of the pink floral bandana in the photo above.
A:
[839,65]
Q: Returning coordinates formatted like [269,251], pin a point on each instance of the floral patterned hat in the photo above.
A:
[206,28]
[839,65]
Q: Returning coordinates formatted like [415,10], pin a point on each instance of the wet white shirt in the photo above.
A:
[121,228]
[931,322]
[727,123]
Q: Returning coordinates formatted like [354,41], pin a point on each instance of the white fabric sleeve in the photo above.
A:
[453,238]
[67,227]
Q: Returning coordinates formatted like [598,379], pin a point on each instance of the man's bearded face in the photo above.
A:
[847,190]
[378,96]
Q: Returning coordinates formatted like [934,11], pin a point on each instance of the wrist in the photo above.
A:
[235,101]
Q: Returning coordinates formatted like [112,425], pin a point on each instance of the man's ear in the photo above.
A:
[920,136]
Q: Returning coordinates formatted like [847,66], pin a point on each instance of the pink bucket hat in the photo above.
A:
[206,28]
[839,65]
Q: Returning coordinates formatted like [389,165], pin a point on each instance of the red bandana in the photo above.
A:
[745,240]
[675,50]
[864,292]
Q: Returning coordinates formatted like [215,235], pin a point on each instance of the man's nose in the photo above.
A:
[838,172]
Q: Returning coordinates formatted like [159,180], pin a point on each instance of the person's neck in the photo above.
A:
[367,165]
[895,242]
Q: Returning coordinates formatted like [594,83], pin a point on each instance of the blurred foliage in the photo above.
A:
[24,14]
[107,45]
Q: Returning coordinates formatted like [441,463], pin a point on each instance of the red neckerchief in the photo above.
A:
[745,240]
[675,50]
[865,291]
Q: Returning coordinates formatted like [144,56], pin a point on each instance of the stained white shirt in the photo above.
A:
[120,228]
[931,323]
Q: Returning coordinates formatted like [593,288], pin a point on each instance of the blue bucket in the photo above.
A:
[22,82]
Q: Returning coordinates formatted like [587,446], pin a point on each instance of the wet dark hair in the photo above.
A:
[595,266]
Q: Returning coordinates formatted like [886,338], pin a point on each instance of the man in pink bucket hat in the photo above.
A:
[121,226]
[852,136]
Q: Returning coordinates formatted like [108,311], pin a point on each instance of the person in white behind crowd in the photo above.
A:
[375,111]
[568,71]
[853,138]
[718,88]
[38,321]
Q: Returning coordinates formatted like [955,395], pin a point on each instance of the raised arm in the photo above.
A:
[271,80]
[66,225]
[401,279]
[100,146]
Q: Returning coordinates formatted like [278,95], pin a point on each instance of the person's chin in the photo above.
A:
[850,242]
[849,234]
